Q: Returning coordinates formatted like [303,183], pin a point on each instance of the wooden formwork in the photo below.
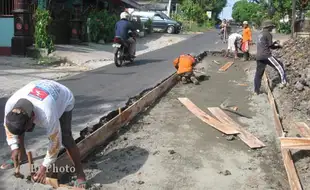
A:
[289,165]
[102,134]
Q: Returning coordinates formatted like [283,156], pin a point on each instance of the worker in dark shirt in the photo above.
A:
[264,56]
[122,28]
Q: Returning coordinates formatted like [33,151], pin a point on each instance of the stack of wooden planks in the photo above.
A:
[223,123]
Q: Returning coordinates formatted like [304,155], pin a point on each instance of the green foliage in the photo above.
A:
[148,26]
[244,10]
[284,28]
[41,37]
[307,15]
[191,10]
[101,25]
[257,12]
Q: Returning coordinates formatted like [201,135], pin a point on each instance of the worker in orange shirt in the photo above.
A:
[184,65]
[246,40]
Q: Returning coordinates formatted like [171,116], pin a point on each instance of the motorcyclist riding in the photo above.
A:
[122,28]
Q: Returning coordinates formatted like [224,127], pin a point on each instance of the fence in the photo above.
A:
[6,8]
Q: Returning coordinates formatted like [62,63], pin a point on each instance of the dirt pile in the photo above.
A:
[295,97]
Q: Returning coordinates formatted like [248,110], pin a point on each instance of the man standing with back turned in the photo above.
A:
[47,104]
[264,56]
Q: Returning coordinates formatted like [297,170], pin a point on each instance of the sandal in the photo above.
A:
[78,184]
[9,164]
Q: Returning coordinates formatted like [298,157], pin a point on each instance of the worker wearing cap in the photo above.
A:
[246,40]
[264,56]
[184,65]
[47,104]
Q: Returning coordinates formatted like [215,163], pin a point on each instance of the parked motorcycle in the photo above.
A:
[121,53]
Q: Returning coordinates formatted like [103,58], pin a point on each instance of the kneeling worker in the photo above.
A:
[48,104]
[184,64]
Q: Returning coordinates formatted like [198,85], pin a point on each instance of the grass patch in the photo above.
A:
[195,27]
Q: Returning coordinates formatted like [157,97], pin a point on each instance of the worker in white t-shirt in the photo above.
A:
[233,44]
[47,104]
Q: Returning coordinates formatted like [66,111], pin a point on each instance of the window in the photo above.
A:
[157,18]
[6,7]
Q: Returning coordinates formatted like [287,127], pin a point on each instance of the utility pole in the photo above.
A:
[168,8]
[293,18]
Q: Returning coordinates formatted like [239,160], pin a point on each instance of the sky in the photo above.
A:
[226,13]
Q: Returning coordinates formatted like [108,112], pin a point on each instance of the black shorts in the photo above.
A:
[66,130]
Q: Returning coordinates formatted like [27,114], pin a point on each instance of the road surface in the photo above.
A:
[106,89]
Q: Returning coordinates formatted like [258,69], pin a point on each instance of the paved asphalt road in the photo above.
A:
[105,89]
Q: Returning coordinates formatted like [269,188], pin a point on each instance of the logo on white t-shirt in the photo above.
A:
[38,93]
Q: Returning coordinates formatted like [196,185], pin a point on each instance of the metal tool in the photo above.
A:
[225,106]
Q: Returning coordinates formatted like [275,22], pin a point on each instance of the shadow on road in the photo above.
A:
[143,62]
[118,163]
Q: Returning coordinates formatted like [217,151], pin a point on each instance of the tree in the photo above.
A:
[249,11]
[191,10]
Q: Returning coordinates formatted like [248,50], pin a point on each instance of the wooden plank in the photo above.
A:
[295,143]
[207,118]
[278,124]
[99,136]
[303,128]
[226,66]
[290,169]
[286,154]
[245,136]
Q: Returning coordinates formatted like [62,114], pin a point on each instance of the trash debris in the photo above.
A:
[225,107]
[140,182]
[225,173]
[230,137]
[171,151]
[214,61]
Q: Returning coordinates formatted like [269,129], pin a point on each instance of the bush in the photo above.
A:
[148,26]
[41,36]
[284,28]
[101,25]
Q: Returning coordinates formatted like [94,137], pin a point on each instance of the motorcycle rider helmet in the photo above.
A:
[124,15]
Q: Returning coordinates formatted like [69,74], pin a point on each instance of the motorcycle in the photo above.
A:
[121,53]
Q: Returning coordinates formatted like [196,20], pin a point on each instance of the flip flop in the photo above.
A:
[9,164]
[78,184]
